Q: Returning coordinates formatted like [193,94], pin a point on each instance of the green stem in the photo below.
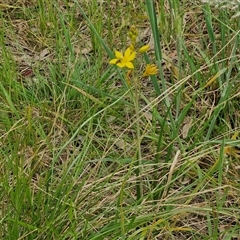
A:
[139,186]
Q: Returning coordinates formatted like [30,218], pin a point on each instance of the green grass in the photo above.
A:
[85,156]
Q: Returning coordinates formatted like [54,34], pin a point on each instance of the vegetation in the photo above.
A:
[96,147]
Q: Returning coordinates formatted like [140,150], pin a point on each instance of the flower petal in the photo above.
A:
[129,65]
[118,55]
[114,61]
[132,56]
[127,52]
[121,64]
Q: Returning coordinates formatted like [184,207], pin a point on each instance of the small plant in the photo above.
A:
[132,75]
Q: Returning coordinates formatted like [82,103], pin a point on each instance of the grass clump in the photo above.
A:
[145,148]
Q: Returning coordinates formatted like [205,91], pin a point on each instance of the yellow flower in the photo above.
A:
[151,69]
[143,49]
[124,60]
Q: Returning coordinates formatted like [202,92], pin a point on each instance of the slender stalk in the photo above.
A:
[138,151]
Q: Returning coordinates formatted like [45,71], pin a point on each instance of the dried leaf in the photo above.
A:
[186,129]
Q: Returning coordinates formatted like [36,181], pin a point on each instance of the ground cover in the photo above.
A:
[97,149]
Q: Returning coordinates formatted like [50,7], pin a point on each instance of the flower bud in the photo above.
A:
[143,49]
